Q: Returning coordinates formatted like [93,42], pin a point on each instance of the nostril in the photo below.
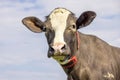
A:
[64,47]
[51,49]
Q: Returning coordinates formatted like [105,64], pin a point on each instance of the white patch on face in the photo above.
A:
[58,21]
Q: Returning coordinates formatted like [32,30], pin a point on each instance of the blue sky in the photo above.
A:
[23,54]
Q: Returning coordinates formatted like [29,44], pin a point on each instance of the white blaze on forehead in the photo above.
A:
[58,21]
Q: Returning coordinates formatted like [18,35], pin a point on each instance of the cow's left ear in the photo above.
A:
[85,19]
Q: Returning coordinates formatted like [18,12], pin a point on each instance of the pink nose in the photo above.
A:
[59,47]
[56,49]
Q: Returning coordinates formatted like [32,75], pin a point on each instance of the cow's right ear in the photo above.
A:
[34,24]
[85,19]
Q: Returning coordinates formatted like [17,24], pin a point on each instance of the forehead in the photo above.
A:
[60,12]
[58,18]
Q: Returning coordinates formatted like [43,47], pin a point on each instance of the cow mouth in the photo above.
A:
[61,58]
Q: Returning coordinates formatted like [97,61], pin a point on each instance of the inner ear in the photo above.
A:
[85,19]
[34,24]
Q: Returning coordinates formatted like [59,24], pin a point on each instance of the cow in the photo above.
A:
[82,56]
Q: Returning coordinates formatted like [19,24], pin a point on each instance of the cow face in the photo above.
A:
[60,28]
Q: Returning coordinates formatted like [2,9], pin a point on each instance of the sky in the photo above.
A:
[23,54]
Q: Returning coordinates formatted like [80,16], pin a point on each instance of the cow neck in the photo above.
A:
[70,63]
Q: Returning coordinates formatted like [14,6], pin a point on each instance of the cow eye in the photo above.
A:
[73,26]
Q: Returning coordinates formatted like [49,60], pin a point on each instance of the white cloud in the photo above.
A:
[104,7]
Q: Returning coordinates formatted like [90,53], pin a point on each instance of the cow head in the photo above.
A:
[60,29]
